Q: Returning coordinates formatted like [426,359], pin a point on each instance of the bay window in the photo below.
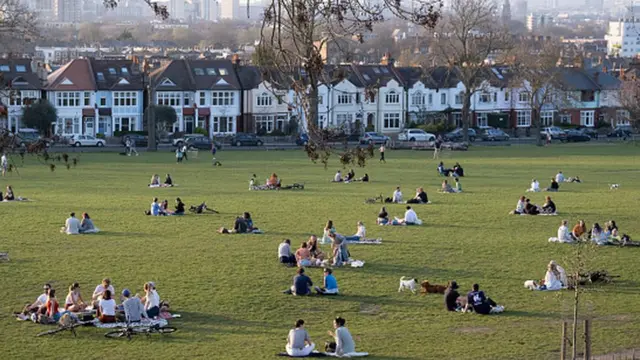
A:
[391,120]
[523,118]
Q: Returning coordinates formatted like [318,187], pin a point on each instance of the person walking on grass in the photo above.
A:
[382,149]
[4,163]
[214,161]
[132,147]
[184,152]
[436,147]
[179,154]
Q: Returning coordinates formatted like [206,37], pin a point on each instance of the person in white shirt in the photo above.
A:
[337,177]
[4,163]
[520,206]
[100,289]
[397,196]
[298,342]
[563,274]
[564,236]
[284,253]
[71,225]
[535,186]
[410,218]
[151,300]
[40,304]
[559,177]
[360,234]
[107,308]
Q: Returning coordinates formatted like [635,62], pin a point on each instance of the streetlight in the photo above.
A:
[151,119]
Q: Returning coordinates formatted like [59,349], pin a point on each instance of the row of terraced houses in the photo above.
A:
[105,96]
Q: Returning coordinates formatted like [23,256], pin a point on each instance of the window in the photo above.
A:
[546,118]
[358,98]
[485,98]
[458,98]
[25,97]
[281,122]
[87,98]
[198,71]
[391,120]
[223,72]
[187,99]
[343,118]
[223,124]
[587,96]
[457,119]
[344,99]
[430,99]
[21,68]
[264,100]
[320,99]
[223,98]
[100,76]
[125,98]
[417,99]
[103,101]
[264,122]
[587,118]
[565,118]
[5,68]
[523,96]
[112,71]
[507,96]
[68,99]
[443,99]
[169,98]
[482,120]
[622,117]
[392,97]
[203,98]
[524,118]
[124,124]
[211,72]
[124,71]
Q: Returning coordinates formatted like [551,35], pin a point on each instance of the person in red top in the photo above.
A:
[52,306]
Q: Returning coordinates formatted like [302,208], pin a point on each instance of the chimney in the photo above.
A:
[596,77]
[385,59]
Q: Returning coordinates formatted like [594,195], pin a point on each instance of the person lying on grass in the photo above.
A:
[201,209]
[329,284]
[301,284]
[298,341]
[420,198]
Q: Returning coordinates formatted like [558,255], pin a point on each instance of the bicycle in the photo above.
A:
[60,328]
[129,330]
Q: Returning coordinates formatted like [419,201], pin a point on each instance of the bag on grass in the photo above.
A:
[330,347]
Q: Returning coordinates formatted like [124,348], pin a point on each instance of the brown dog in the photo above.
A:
[427,288]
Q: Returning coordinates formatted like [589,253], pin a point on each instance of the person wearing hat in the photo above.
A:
[451,296]
[133,308]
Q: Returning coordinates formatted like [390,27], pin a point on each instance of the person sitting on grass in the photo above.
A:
[38,306]
[360,233]
[410,218]
[397,196]
[179,207]
[458,188]
[554,186]
[564,236]
[383,217]
[107,308]
[446,188]
[598,236]
[535,186]
[339,249]
[99,291]
[71,225]
[317,255]
[74,301]
[578,230]
[609,226]
[133,309]
[86,225]
[155,181]
[442,171]
[530,209]
[301,284]
[365,178]
[155,209]
[520,206]
[200,209]
[239,227]
[458,171]
[559,177]
[273,182]
[552,278]
[351,175]
[344,343]
[298,341]
[249,221]
[303,255]
[151,300]
[168,181]
[8,194]
[549,207]
[420,198]
[164,207]
[451,296]
[328,229]
[479,302]
[53,306]
[337,177]
[329,284]
[284,253]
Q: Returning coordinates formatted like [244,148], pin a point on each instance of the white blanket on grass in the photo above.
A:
[365,242]
[143,323]
[348,355]
[18,199]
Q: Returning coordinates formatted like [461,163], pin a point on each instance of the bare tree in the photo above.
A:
[629,98]
[537,75]
[18,25]
[464,40]
[160,10]
[295,37]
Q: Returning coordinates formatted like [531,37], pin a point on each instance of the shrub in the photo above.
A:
[603,124]
[369,128]
[276,132]
[201,131]
[437,127]
[100,136]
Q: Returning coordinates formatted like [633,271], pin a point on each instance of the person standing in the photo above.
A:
[132,147]
[184,151]
[382,149]
[214,161]
[127,146]
[298,342]
[436,147]
[4,163]
[179,154]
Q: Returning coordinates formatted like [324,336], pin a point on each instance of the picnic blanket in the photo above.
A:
[541,214]
[162,186]
[18,199]
[326,354]
[143,323]
[377,241]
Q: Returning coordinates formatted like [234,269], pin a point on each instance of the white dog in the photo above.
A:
[411,284]
[530,284]
[614,186]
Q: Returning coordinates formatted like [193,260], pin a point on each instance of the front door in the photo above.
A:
[189,125]
[89,126]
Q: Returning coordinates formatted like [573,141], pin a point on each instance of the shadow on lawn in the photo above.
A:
[412,270]
[196,321]
[118,234]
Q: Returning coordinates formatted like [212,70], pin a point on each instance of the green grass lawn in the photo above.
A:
[228,287]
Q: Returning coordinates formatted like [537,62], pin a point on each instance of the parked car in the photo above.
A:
[457,135]
[26,137]
[556,133]
[416,135]
[246,139]
[86,140]
[619,133]
[576,136]
[180,141]
[201,143]
[495,135]
[373,138]
[302,139]
[590,132]
[140,140]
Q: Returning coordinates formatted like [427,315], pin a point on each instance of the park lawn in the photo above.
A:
[228,287]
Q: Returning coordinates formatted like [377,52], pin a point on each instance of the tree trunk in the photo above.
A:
[537,125]
[466,111]
[311,113]
[151,123]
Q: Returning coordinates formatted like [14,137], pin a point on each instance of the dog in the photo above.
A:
[614,186]
[530,284]
[411,284]
[427,288]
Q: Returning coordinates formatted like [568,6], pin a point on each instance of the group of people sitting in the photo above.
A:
[457,170]
[299,343]
[302,284]
[47,309]
[475,301]
[525,207]
[554,279]
[609,235]
[272,183]
[351,176]
[242,225]
[162,209]
[73,226]
[310,254]
[410,218]
[535,186]
[397,198]
[446,187]
[560,178]
[155,181]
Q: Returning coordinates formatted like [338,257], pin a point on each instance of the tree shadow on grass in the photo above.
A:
[413,270]
[117,234]
[530,314]
[375,300]
[197,322]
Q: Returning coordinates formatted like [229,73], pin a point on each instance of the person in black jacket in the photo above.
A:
[179,207]
[451,296]
[420,198]
[549,206]
[530,209]
[554,186]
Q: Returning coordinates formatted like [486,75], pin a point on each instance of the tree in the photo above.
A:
[464,40]
[125,35]
[537,74]
[40,115]
[165,116]
[90,33]
[160,10]
[629,98]
[18,25]
[296,33]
